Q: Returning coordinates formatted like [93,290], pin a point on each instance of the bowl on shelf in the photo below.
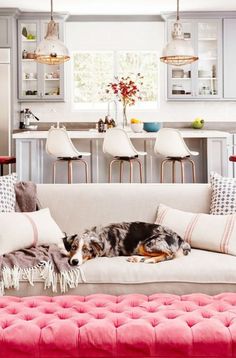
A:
[152,126]
[136,127]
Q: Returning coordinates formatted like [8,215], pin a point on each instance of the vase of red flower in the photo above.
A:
[127,91]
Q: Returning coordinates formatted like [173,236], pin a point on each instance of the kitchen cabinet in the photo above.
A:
[5,31]
[201,80]
[37,82]
[229,58]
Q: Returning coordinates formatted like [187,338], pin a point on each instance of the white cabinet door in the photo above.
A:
[217,156]
[229,58]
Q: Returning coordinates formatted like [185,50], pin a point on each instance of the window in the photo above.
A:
[93,70]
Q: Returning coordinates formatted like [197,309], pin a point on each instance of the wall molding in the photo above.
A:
[115,18]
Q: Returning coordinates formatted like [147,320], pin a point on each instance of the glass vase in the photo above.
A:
[125,121]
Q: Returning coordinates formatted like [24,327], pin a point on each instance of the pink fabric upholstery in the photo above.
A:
[160,325]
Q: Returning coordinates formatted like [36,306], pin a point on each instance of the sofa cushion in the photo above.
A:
[200,271]
[22,230]
[202,231]
[223,199]
[7,193]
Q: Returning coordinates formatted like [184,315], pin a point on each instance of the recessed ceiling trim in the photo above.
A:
[115,18]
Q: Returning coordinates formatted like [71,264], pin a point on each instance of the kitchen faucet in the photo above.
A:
[116,109]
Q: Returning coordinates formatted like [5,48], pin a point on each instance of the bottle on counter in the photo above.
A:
[113,123]
[100,126]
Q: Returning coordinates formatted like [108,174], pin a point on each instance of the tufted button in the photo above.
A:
[152,309]
[99,316]
[206,315]
[190,323]
[28,318]
[12,311]
[62,316]
[32,305]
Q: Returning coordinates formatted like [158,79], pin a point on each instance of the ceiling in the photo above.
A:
[120,7]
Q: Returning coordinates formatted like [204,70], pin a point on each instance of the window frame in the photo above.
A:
[140,107]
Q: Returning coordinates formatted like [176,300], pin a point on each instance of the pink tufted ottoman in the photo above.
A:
[160,325]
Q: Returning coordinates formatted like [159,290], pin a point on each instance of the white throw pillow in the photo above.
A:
[24,230]
[7,193]
[201,231]
[223,197]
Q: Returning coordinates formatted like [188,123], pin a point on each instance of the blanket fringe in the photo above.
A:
[66,279]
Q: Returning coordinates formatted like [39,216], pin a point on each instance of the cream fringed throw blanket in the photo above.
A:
[46,261]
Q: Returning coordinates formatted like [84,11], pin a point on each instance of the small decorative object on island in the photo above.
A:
[127,91]
[198,123]
[136,125]
[152,126]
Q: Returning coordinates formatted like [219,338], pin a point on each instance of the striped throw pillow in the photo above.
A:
[201,231]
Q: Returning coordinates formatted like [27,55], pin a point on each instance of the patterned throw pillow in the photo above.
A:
[7,193]
[223,198]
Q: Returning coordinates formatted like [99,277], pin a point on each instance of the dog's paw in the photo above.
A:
[150,261]
[135,259]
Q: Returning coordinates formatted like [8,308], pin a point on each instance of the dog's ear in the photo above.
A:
[97,246]
[68,240]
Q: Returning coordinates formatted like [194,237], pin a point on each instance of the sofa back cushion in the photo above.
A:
[201,231]
[76,207]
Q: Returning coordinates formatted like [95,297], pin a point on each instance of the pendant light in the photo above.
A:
[51,51]
[178,51]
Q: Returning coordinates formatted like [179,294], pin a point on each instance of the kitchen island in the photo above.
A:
[33,163]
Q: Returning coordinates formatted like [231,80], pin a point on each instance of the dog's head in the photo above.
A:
[81,248]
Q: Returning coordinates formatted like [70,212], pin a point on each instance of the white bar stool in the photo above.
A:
[170,143]
[60,146]
[117,143]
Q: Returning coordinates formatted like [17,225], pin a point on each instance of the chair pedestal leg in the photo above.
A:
[1,169]
[121,170]
[85,168]
[182,171]
[131,171]
[54,172]
[110,169]
[140,170]
[173,171]
[70,171]
[162,169]
[193,169]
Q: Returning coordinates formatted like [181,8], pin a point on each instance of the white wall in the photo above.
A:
[130,36]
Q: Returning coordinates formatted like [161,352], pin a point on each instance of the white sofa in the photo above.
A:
[79,206]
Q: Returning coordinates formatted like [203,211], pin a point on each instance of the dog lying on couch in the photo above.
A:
[143,242]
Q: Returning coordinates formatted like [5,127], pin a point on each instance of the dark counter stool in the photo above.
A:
[5,160]
[232,158]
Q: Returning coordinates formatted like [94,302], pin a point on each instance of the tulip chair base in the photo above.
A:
[121,161]
[127,326]
[182,161]
[70,168]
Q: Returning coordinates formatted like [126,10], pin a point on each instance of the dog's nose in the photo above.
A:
[75,262]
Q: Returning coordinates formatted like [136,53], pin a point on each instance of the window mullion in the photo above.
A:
[115,63]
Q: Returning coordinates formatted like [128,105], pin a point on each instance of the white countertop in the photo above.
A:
[93,134]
